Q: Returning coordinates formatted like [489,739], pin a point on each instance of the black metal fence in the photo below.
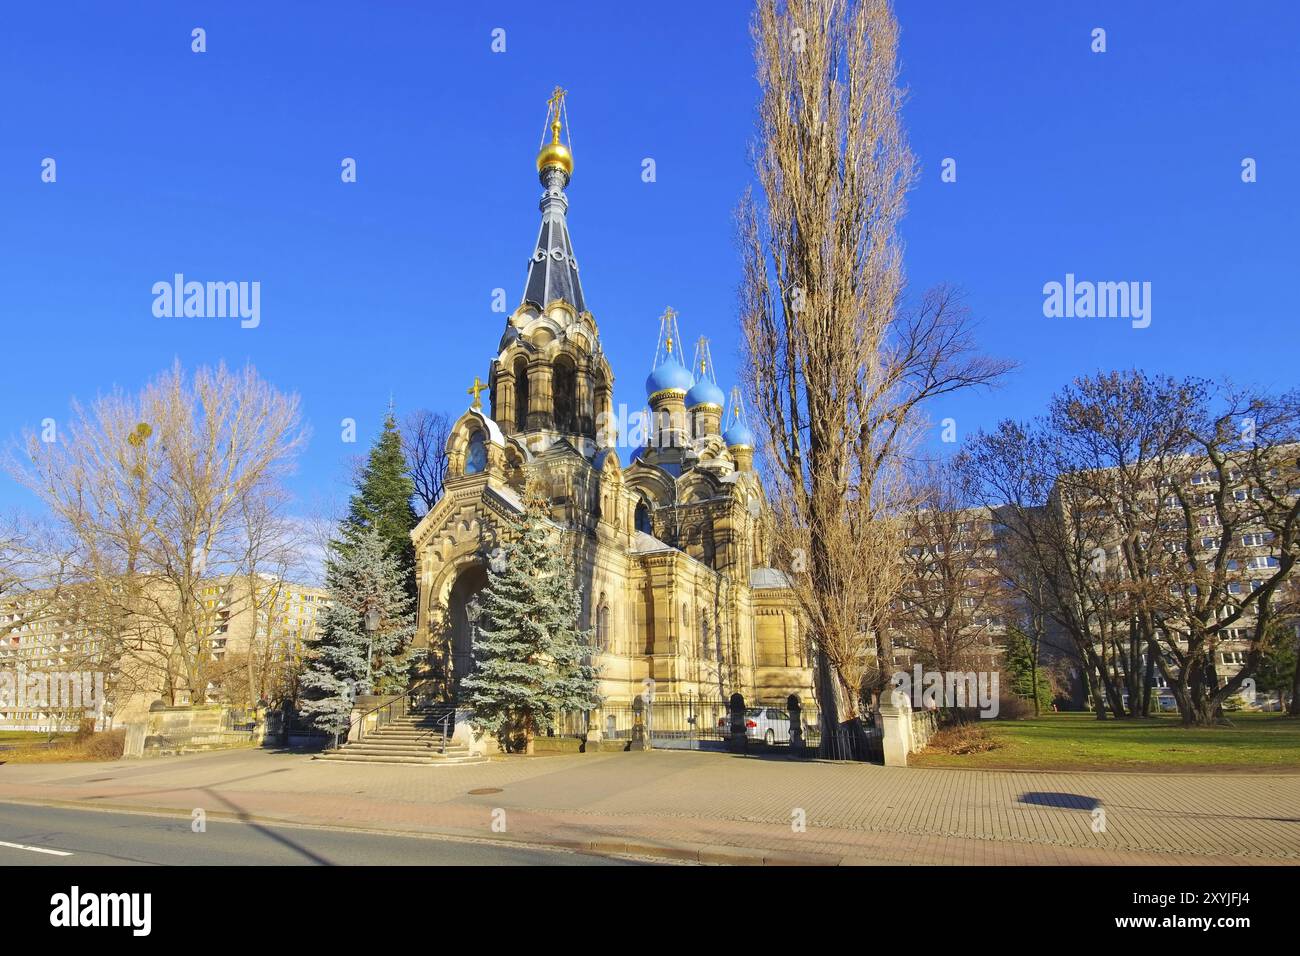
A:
[704,723]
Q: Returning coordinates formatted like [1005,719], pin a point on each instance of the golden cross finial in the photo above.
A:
[474,390]
[554,104]
[667,318]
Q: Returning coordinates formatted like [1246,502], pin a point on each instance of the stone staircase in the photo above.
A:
[414,738]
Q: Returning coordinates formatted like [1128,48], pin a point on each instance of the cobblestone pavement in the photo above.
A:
[724,808]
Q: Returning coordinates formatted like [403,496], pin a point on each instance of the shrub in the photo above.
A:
[1011,707]
[967,738]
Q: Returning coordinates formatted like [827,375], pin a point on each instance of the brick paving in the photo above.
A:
[724,808]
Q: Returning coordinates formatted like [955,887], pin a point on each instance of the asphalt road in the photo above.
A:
[56,836]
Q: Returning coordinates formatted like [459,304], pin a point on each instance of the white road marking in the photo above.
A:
[34,849]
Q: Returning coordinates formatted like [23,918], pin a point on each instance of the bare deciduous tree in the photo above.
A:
[838,370]
[162,494]
[35,573]
[953,601]
[424,444]
[1162,516]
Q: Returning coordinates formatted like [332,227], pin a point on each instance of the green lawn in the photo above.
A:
[25,736]
[1260,742]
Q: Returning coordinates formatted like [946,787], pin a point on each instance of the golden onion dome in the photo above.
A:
[555,154]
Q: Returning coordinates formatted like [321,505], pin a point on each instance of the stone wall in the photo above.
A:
[181,730]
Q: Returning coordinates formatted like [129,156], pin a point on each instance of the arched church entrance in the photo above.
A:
[462,611]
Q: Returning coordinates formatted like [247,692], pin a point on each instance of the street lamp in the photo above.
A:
[372,625]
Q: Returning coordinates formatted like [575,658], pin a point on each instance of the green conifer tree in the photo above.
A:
[1022,673]
[531,660]
[348,658]
[383,501]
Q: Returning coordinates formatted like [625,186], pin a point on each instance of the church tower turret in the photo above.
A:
[666,389]
[705,399]
[738,436]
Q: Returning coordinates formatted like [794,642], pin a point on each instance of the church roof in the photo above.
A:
[643,543]
[762,578]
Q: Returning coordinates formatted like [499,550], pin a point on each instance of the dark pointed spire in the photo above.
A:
[553,270]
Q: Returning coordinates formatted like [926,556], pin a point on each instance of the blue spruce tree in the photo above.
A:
[347,658]
[530,658]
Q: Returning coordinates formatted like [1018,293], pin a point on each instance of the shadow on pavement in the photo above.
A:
[1062,801]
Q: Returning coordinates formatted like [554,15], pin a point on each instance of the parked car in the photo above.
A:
[769,724]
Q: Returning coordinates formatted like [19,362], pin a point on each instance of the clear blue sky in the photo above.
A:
[225,166]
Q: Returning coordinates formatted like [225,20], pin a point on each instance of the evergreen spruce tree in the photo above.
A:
[346,656]
[383,501]
[1019,669]
[530,657]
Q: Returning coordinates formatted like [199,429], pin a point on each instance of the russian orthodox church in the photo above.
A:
[669,548]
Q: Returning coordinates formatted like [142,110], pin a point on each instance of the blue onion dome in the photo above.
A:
[738,435]
[670,374]
[705,392]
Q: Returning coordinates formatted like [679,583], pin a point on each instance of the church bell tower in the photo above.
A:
[550,379]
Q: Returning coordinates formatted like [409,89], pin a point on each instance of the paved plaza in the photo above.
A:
[711,807]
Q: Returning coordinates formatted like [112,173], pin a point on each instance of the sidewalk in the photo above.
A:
[723,808]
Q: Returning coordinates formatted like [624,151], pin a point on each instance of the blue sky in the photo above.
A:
[225,166]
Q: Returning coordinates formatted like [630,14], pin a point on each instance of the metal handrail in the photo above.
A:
[400,699]
[451,712]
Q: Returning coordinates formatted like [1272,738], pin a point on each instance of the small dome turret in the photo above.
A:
[669,374]
[705,392]
[738,435]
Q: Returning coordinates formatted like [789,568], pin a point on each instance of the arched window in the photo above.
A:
[643,517]
[602,626]
[475,454]
[564,386]
[521,394]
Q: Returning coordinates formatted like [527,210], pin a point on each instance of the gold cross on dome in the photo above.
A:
[474,390]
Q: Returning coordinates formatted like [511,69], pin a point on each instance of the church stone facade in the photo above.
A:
[669,547]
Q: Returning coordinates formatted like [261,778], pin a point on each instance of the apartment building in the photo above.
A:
[1200,536]
[954,607]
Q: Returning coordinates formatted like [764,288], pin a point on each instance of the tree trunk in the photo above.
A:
[1293,709]
[1033,668]
[1149,679]
[1092,688]
[827,703]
